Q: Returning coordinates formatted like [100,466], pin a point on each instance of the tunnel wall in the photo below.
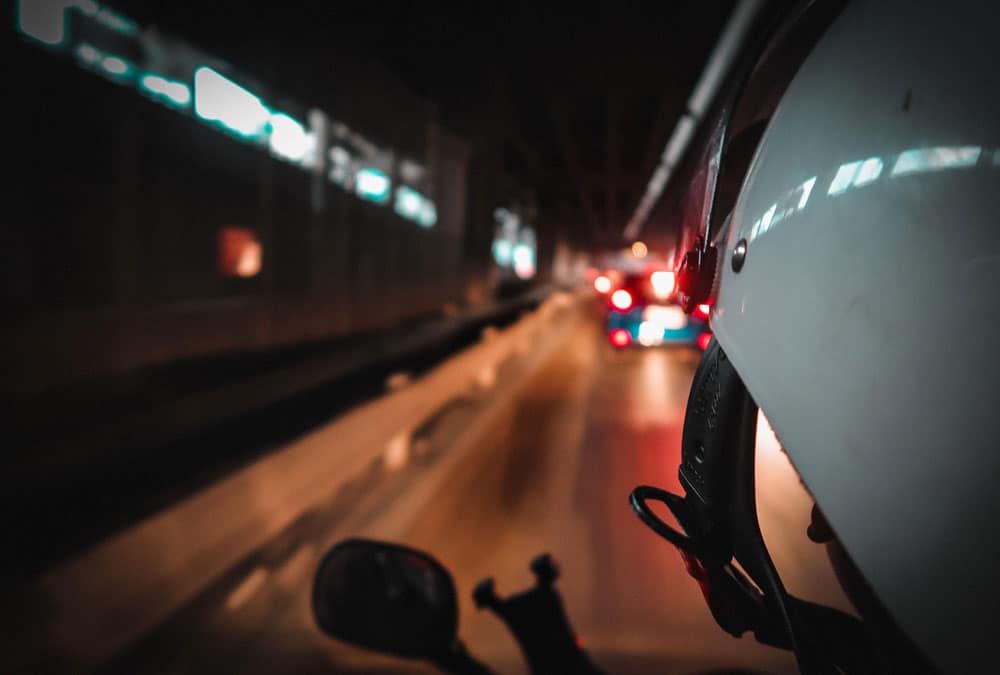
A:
[110,247]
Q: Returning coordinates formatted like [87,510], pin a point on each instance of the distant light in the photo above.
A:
[340,167]
[639,249]
[414,206]
[410,171]
[341,175]
[502,251]
[934,159]
[408,202]
[240,253]
[602,284]
[288,139]
[428,214]
[620,337]
[219,99]
[524,271]
[621,299]
[115,22]
[372,184]
[43,21]
[870,170]
[524,261]
[339,155]
[671,318]
[845,175]
[115,65]
[663,283]
[88,53]
[170,91]
[703,341]
[650,333]
[249,262]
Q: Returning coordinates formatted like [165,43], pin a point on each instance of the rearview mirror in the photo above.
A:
[387,598]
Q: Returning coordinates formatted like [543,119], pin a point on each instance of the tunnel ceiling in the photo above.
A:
[576,101]
[580,102]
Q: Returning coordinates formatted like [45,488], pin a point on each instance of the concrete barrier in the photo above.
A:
[102,601]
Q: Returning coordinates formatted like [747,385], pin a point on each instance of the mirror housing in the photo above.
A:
[387,598]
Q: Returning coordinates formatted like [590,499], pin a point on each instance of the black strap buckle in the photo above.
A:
[734,601]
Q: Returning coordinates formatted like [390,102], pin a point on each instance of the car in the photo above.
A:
[642,310]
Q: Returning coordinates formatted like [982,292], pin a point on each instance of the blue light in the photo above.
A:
[116,22]
[502,251]
[88,53]
[115,65]
[289,139]
[43,21]
[409,202]
[373,185]
[169,91]
[219,99]
[428,214]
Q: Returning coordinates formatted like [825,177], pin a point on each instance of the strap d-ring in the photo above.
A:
[638,498]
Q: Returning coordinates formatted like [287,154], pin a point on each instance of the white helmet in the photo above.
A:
[856,289]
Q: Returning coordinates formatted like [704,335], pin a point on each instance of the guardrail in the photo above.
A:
[100,602]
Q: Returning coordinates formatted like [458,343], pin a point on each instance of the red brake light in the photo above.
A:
[602,284]
[703,310]
[703,340]
[621,299]
[620,337]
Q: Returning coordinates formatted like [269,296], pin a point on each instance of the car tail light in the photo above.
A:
[602,284]
[703,340]
[621,299]
[703,310]
[620,337]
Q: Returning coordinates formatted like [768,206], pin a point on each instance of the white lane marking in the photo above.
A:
[250,585]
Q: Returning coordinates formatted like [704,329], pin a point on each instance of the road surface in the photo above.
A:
[551,474]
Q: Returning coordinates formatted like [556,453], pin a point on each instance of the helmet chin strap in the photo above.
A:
[719,525]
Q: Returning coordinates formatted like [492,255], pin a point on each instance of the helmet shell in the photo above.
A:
[863,317]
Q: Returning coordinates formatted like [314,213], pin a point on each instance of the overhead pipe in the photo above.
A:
[720,62]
